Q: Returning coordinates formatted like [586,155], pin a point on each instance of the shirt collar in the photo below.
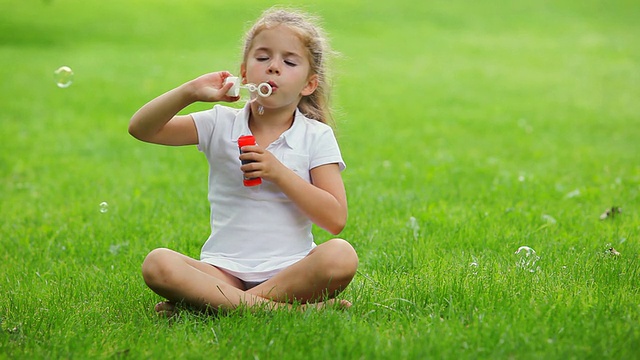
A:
[241,123]
[292,136]
[295,134]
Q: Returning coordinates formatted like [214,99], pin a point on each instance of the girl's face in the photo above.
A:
[278,57]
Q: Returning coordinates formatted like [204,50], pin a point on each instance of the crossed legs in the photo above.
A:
[323,273]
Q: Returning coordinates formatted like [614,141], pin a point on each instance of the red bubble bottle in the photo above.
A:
[247,140]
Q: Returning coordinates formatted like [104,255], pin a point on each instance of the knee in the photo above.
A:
[341,260]
[155,267]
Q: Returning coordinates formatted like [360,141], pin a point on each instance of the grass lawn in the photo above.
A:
[469,129]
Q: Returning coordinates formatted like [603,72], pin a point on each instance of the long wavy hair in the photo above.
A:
[317,105]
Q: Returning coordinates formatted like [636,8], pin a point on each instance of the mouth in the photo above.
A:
[274,86]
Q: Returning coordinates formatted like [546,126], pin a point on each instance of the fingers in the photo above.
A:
[251,149]
[211,87]
[224,74]
[248,156]
[250,174]
[223,94]
[258,162]
[252,158]
[252,169]
[226,87]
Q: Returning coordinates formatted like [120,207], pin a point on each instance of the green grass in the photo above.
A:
[468,130]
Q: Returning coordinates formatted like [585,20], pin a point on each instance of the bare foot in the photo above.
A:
[269,305]
[343,304]
[331,303]
[166,309]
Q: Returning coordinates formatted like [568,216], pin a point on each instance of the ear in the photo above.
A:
[243,73]
[311,86]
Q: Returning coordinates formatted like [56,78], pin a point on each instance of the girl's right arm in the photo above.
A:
[157,122]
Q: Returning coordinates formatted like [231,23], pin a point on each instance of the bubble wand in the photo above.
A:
[263,89]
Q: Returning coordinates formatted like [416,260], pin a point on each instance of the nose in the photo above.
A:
[273,68]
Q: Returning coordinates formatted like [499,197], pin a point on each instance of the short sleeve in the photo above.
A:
[326,150]
[205,122]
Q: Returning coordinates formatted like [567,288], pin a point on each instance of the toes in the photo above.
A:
[330,304]
[166,309]
[344,304]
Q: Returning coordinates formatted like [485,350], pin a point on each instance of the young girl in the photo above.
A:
[260,250]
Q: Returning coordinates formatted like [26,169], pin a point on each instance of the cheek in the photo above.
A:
[250,66]
[252,70]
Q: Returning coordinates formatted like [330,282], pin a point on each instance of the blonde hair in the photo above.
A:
[315,106]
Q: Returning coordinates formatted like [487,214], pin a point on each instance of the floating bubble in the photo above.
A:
[474,265]
[524,125]
[527,258]
[104,207]
[474,268]
[525,249]
[63,76]
[413,225]
[572,194]
[116,248]
[549,219]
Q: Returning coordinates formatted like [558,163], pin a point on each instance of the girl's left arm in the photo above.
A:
[324,200]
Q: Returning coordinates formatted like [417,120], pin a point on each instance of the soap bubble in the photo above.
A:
[115,249]
[63,76]
[527,258]
[474,265]
[549,219]
[474,268]
[572,194]
[104,207]
[413,225]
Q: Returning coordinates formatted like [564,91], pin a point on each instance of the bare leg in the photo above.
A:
[324,273]
[180,278]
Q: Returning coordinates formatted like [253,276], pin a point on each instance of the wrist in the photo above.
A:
[188,93]
[282,176]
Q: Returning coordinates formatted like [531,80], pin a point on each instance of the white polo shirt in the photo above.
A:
[257,231]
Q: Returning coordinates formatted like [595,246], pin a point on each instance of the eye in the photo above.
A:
[290,63]
[262,58]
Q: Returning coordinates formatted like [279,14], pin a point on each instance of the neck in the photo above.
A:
[271,119]
[271,124]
